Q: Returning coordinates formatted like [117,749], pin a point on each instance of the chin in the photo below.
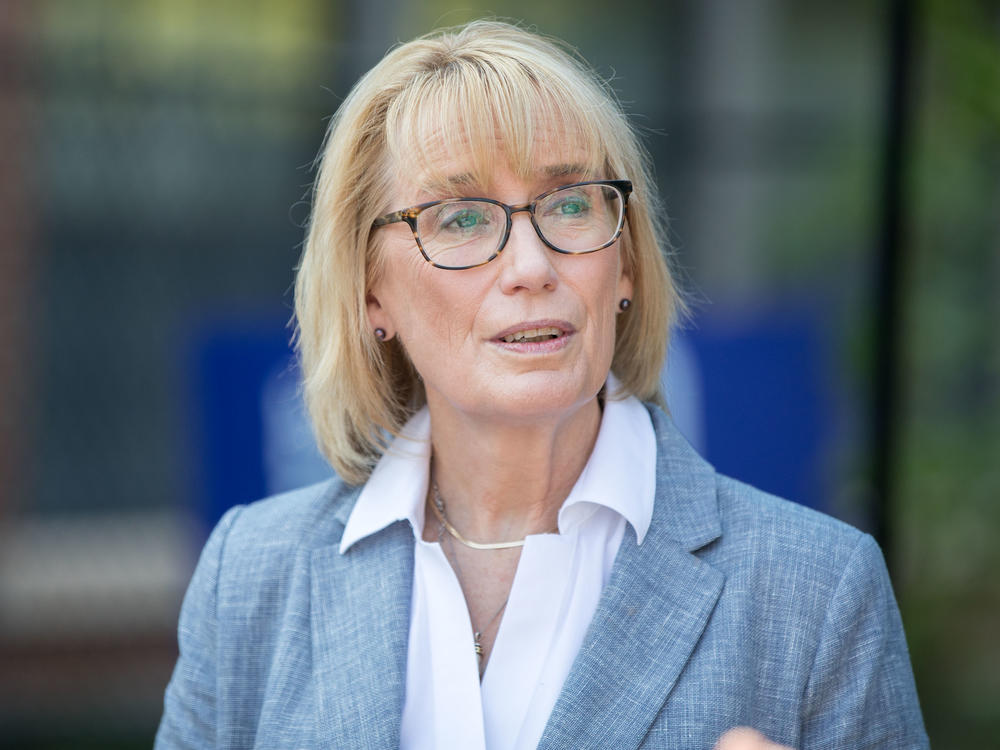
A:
[537,396]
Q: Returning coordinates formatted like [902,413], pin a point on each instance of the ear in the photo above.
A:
[378,316]
[624,289]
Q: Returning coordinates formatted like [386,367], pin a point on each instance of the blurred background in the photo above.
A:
[832,174]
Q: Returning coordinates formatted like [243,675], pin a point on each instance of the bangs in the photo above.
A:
[461,122]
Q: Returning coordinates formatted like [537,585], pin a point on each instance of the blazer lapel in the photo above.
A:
[651,614]
[360,627]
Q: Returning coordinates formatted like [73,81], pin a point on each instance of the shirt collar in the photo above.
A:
[620,474]
[621,471]
[397,487]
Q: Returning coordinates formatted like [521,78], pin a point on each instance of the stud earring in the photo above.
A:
[624,304]
[380,334]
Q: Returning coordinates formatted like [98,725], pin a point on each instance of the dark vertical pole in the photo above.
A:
[888,273]
[18,251]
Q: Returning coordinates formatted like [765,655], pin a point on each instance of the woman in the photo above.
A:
[518,551]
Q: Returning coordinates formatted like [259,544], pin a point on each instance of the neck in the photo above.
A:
[503,481]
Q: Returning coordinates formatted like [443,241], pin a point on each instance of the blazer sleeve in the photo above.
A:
[189,706]
[860,692]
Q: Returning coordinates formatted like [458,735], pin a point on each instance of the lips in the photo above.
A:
[533,335]
[535,332]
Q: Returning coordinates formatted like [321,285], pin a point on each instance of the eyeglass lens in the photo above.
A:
[576,219]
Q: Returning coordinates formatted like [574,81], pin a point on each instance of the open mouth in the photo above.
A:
[532,335]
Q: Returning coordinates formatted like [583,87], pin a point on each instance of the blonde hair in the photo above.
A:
[455,91]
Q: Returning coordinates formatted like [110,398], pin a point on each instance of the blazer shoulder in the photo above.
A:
[301,519]
[748,512]
[778,545]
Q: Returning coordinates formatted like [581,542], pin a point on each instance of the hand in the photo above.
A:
[744,738]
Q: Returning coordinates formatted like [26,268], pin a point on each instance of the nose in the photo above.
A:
[526,262]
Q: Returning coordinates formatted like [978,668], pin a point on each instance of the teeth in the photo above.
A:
[533,333]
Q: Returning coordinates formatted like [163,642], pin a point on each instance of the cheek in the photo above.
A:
[607,295]
[399,288]
[433,307]
[613,285]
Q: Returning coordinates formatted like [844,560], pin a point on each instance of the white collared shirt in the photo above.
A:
[555,592]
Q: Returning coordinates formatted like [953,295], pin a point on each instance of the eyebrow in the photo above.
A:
[563,170]
[465,179]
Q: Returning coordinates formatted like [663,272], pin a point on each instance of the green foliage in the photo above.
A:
[948,516]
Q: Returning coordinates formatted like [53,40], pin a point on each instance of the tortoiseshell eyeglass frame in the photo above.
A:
[409,215]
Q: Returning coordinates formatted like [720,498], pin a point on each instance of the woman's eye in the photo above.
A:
[574,206]
[464,220]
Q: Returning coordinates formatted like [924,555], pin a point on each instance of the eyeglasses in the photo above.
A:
[460,233]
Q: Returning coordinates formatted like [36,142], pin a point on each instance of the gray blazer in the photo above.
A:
[737,609]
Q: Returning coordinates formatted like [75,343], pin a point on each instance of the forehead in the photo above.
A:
[447,162]
[444,127]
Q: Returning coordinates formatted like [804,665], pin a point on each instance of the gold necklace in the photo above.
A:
[477,635]
[438,506]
